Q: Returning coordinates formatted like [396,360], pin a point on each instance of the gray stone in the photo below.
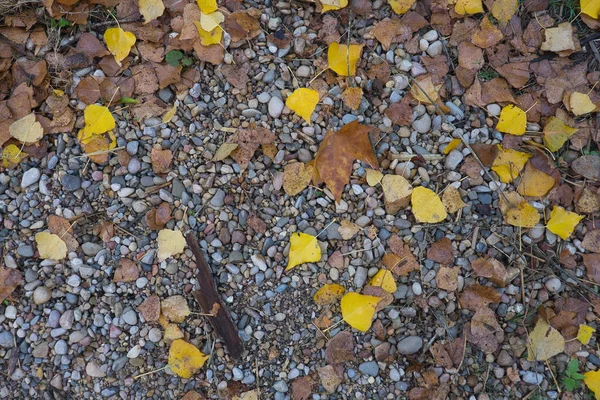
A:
[6,339]
[435,48]
[218,199]
[531,377]
[41,295]
[275,107]
[25,251]
[61,347]
[71,183]
[423,124]
[166,95]
[280,386]
[453,159]
[91,249]
[410,345]
[31,176]
[130,317]
[360,277]
[369,368]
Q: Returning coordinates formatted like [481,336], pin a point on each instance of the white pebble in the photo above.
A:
[417,289]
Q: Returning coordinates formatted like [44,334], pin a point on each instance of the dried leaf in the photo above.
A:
[452,200]
[168,116]
[441,252]
[446,278]
[487,34]
[544,342]
[11,156]
[400,113]
[397,191]
[373,176]
[296,177]
[161,160]
[427,206]
[170,243]
[493,270]
[477,296]
[424,90]
[581,103]
[503,10]
[175,308]
[151,9]
[559,39]
[27,129]
[348,229]
[9,280]
[185,359]
[352,97]
[224,151]
[587,166]
[303,248]
[329,294]
[563,222]
[358,310]
[50,246]
[535,183]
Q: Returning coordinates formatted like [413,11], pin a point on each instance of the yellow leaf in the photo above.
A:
[211,21]
[401,6]
[581,103]
[592,381]
[427,206]
[503,10]
[585,333]
[535,183]
[385,279]
[512,120]
[352,97]
[509,163]
[170,243]
[58,92]
[544,342]
[303,102]
[207,6]
[358,310]
[329,294]
[303,248]
[590,7]
[373,176]
[168,116]
[556,133]
[423,90]
[11,156]
[452,200]
[463,7]
[175,308]
[151,9]
[51,246]
[208,38]
[98,120]
[522,215]
[397,191]
[296,177]
[185,359]
[332,5]
[342,58]
[119,43]
[453,144]
[26,129]
[563,222]
[224,151]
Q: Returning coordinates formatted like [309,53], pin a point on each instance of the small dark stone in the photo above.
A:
[71,183]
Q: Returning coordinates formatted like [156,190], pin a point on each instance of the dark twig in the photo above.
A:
[211,304]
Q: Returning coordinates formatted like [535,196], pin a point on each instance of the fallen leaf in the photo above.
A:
[302,388]
[161,160]
[11,156]
[556,133]
[373,176]
[424,90]
[518,212]
[485,330]
[591,241]
[185,359]
[592,9]
[358,310]
[337,153]
[340,348]
[224,151]
[588,202]
[487,34]
[384,279]
[9,280]
[446,278]
[403,261]
[452,200]
[400,113]
[168,116]
[504,10]
[343,58]
[477,296]
[509,163]
[175,308]
[441,252]
[427,206]
[150,308]
[401,6]
[208,38]
[397,191]
[98,120]
[329,294]
[119,43]
[587,166]
[352,97]
[127,271]
[296,177]
[544,342]
[581,103]
[494,270]
[348,229]
[211,21]
[303,248]
[207,6]
[470,56]
[330,378]
[26,129]
[592,266]
[559,39]
[453,144]
[563,222]
[512,120]
[243,24]
[584,334]
[50,246]
[151,9]
[535,183]
[303,102]
[471,7]
[170,243]
[332,5]
[592,379]
[248,141]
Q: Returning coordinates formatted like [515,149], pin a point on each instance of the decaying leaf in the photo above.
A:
[544,342]
[503,10]
[559,39]
[556,133]
[358,310]
[447,278]
[175,308]
[493,270]
[397,191]
[424,90]
[348,229]
[185,359]
[51,246]
[296,177]
[452,200]
[427,206]
[329,294]
[248,141]
[27,129]
[303,248]
[10,278]
[352,97]
[477,296]
[170,243]
[224,151]
[151,9]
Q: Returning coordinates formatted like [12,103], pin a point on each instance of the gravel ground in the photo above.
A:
[72,331]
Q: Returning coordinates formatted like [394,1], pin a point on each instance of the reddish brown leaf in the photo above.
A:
[248,141]
[441,252]
[400,113]
[470,56]
[446,278]
[485,331]
[340,348]
[591,241]
[493,270]
[302,388]
[9,280]
[592,265]
[90,46]
[516,73]
[88,90]
[127,271]
[477,296]
[161,160]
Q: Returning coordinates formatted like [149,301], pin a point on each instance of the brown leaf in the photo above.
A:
[441,252]
[592,265]
[150,308]
[405,261]
[352,97]
[106,231]
[437,66]
[587,166]
[158,218]
[340,348]
[167,74]
[161,160]
[470,56]
[516,73]
[330,377]
[446,278]
[62,227]
[462,31]
[302,388]
[487,34]
[145,79]
[385,297]
[591,241]
[390,31]
[441,356]
[88,90]
[127,271]
[588,201]
[400,113]
[9,280]
[337,153]
[477,296]
[243,24]
[236,75]
[486,152]
[90,46]
[493,270]
[248,141]
[485,331]
[496,91]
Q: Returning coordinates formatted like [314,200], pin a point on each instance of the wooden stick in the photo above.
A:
[211,303]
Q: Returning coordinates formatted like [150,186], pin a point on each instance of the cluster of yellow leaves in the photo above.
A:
[209,26]
[98,121]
